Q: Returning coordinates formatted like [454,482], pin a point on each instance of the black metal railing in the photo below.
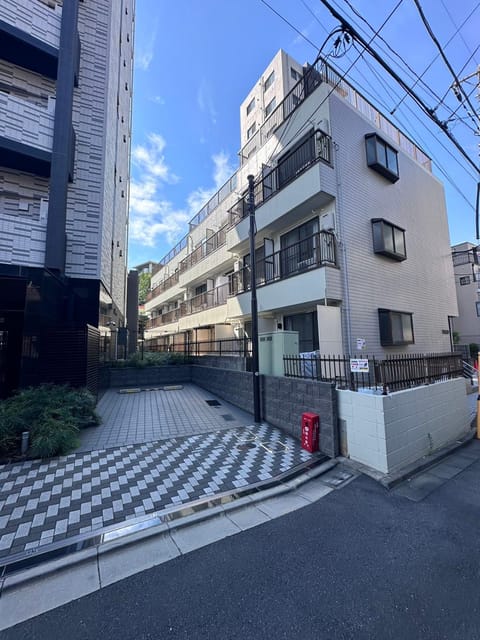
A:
[211,244]
[163,286]
[206,300]
[221,347]
[316,147]
[318,250]
[390,374]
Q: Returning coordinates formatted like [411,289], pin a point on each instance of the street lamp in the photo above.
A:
[254,310]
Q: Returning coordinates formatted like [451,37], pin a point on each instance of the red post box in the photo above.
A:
[310,431]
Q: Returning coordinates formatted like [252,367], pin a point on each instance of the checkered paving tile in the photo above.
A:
[44,502]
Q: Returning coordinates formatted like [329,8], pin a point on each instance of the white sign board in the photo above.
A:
[359,365]
[361,344]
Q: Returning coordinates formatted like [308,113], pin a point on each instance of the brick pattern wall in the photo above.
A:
[284,401]
[237,363]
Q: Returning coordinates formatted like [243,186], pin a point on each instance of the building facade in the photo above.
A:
[65,100]
[352,244]
[467,279]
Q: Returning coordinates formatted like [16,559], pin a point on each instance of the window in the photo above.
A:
[201,289]
[295,75]
[464,280]
[382,157]
[250,106]
[396,327]
[462,257]
[298,248]
[269,81]
[251,130]
[388,239]
[270,107]
[477,305]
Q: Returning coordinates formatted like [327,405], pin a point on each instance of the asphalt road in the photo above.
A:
[361,563]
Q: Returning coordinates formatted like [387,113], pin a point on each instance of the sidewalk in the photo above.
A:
[50,502]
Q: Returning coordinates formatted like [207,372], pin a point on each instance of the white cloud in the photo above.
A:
[158,100]
[153,216]
[145,48]
[205,101]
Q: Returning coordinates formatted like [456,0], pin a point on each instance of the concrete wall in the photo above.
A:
[135,377]
[390,432]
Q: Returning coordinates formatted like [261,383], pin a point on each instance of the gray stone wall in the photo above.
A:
[285,399]
[232,386]
[237,363]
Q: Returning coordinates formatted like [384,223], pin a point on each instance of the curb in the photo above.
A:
[130,532]
[391,480]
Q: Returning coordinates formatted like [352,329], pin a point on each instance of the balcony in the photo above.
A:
[34,18]
[207,247]
[296,177]
[316,251]
[204,301]
[163,319]
[26,135]
[166,284]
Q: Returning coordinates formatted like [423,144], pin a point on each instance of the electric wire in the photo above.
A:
[460,33]
[289,24]
[445,45]
[332,89]
[457,86]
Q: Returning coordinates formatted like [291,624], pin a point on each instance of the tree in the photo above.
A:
[144,280]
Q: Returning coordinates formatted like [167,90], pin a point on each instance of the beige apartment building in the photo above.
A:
[467,283]
[352,243]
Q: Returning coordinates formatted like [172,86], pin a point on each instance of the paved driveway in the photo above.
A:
[135,418]
[155,450]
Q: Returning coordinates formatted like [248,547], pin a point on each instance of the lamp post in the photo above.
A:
[254,311]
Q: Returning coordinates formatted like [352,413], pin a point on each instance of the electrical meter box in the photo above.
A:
[272,347]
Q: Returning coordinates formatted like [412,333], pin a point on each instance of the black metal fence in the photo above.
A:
[390,374]
[223,347]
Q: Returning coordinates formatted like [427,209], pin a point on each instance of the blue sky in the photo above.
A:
[196,60]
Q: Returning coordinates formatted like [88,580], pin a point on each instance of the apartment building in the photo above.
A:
[467,283]
[65,104]
[352,244]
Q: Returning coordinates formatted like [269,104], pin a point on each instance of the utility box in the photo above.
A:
[310,431]
[272,347]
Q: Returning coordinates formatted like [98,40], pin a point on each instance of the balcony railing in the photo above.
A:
[163,286]
[311,253]
[316,74]
[206,300]
[210,245]
[164,318]
[316,147]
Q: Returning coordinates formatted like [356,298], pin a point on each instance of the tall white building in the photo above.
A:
[352,243]
[65,124]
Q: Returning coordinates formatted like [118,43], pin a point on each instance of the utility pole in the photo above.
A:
[254,310]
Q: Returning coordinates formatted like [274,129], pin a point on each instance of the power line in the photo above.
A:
[390,48]
[457,87]
[458,31]
[348,28]
[332,89]
[290,24]
[438,55]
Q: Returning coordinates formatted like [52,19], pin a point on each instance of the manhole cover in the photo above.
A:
[245,446]
[213,403]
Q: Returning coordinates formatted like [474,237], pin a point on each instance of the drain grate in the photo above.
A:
[213,403]
[245,446]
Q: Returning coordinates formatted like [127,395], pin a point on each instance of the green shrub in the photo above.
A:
[150,359]
[53,416]
[474,349]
